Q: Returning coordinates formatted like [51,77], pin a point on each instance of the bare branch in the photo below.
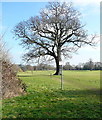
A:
[57,27]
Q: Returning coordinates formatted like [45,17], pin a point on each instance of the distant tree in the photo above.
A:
[44,67]
[98,66]
[67,66]
[29,67]
[35,67]
[79,66]
[16,68]
[57,30]
[89,65]
[23,67]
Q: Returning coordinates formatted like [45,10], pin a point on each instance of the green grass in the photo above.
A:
[80,97]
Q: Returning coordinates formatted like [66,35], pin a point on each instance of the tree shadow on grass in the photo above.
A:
[65,104]
[50,75]
[24,75]
[81,92]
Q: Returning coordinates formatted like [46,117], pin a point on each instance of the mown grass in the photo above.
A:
[80,97]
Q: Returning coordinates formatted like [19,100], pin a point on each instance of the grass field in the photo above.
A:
[80,97]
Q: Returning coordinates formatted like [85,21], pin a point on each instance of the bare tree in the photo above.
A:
[57,30]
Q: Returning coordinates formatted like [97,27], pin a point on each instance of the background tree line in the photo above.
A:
[89,65]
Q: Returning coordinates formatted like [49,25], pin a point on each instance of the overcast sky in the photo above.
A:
[14,12]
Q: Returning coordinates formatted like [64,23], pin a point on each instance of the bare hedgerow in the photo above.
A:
[9,83]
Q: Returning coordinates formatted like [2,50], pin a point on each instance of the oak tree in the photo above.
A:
[57,31]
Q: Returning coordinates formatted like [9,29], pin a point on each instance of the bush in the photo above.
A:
[10,85]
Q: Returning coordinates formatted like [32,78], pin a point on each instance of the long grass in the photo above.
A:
[80,97]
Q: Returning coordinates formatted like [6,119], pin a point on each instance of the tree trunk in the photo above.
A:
[57,60]
[57,67]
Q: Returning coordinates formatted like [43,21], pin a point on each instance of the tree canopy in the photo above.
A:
[56,31]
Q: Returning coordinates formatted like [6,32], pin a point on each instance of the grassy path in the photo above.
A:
[44,99]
